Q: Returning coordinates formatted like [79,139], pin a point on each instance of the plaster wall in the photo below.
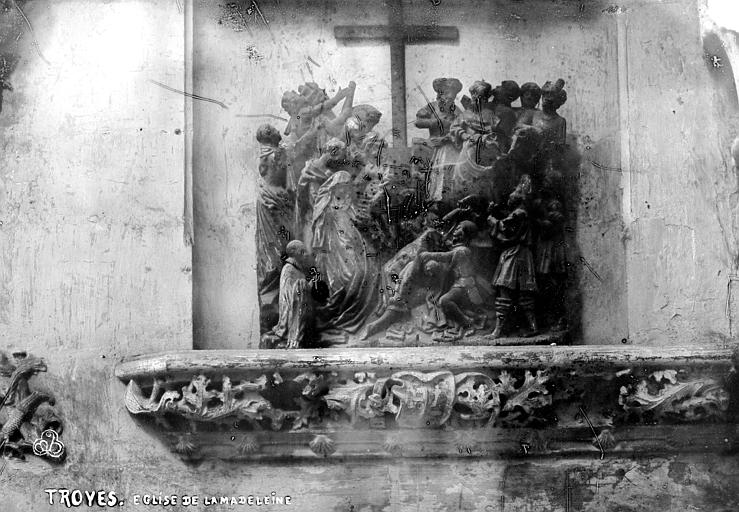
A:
[682,218]
[92,255]
[93,266]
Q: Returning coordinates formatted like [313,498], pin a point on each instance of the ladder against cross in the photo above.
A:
[398,35]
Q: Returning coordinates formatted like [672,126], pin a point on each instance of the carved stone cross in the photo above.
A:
[397,34]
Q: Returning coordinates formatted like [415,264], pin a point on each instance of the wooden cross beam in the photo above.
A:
[398,35]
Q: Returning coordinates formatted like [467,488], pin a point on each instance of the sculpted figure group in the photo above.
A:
[460,235]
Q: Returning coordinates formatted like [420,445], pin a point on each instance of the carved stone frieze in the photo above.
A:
[667,395]
[408,399]
[525,402]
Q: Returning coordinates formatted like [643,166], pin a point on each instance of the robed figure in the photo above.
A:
[275,208]
[437,117]
[343,257]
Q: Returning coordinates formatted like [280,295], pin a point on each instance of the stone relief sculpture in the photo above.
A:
[460,237]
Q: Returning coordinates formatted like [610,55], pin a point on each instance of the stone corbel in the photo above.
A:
[430,402]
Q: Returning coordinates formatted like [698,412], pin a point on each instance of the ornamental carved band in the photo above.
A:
[440,399]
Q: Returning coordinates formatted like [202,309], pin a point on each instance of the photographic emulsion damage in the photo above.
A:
[361,256]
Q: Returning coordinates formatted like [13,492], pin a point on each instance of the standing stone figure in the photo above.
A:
[515,274]
[437,117]
[275,207]
[503,95]
[343,256]
[482,143]
[551,260]
[334,158]
[295,303]
[552,125]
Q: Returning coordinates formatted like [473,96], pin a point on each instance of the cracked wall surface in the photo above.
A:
[682,237]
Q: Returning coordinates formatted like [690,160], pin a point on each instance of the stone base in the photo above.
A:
[483,338]
[437,401]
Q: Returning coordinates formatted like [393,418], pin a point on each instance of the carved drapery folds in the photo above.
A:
[526,405]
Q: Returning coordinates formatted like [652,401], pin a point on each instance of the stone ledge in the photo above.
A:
[436,401]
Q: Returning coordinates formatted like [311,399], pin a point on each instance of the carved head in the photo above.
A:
[313,93]
[342,189]
[292,102]
[506,93]
[555,211]
[521,195]
[336,152]
[431,220]
[432,269]
[296,250]
[530,95]
[480,92]
[268,135]
[516,200]
[465,231]
[446,90]
[431,239]
[368,115]
[553,95]
[363,120]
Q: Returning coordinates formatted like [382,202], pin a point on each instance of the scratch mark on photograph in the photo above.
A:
[190,95]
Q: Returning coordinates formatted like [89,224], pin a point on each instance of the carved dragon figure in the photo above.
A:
[20,405]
